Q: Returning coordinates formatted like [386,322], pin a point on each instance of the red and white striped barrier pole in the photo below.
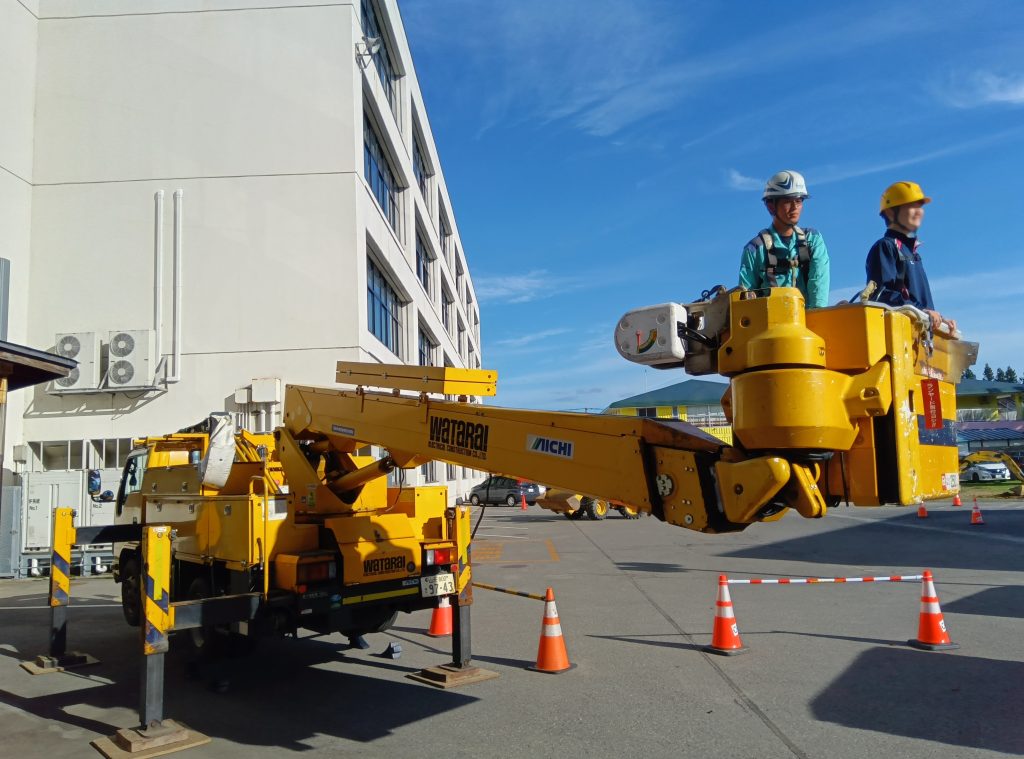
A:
[822,580]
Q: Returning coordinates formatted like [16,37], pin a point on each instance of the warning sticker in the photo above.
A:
[932,404]
[951,481]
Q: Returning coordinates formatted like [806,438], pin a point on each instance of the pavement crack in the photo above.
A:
[742,698]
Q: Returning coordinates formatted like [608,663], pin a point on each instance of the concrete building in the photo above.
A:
[212,198]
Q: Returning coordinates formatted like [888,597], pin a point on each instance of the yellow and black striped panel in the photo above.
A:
[60,560]
[156,554]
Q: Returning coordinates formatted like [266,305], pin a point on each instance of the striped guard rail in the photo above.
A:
[822,580]
[534,596]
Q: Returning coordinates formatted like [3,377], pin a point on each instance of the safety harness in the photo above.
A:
[901,263]
[774,264]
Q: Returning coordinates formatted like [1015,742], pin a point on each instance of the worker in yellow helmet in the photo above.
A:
[894,263]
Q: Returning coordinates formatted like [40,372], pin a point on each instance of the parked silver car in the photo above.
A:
[985,472]
[500,489]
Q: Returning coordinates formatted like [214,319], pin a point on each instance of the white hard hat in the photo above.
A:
[785,184]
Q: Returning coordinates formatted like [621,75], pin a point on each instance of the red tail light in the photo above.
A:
[437,556]
[316,572]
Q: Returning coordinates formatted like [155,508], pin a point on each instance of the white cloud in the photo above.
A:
[524,340]
[524,288]
[831,173]
[980,88]
[605,65]
[739,181]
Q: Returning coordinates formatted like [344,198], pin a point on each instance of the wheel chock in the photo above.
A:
[448,676]
[48,665]
[166,737]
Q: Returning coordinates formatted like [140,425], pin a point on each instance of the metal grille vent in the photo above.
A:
[71,379]
[69,347]
[122,344]
[121,372]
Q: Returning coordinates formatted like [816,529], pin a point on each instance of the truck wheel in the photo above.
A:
[474,499]
[975,477]
[511,500]
[627,513]
[594,508]
[131,599]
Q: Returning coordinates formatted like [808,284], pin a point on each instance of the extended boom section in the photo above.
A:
[852,402]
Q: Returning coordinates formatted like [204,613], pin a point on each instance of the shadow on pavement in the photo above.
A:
[947,698]
[648,566]
[644,640]
[896,543]
[290,693]
[1007,601]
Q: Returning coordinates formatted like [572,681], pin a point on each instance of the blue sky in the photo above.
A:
[609,154]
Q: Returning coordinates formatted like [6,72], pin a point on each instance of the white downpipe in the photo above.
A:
[158,278]
[176,314]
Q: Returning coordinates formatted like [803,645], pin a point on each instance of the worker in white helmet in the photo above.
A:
[784,254]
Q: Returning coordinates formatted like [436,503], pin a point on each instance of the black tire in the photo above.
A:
[131,593]
[975,477]
[511,500]
[578,514]
[568,515]
[474,499]
[593,508]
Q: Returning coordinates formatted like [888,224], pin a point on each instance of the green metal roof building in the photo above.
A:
[698,402]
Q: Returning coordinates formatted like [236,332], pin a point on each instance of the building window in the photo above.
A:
[450,471]
[476,326]
[426,349]
[447,309]
[421,170]
[378,174]
[423,263]
[382,58]
[459,273]
[461,343]
[445,235]
[429,471]
[651,412]
[469,301]
[383,309]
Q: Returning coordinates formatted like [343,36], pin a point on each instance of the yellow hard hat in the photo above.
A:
[901,193]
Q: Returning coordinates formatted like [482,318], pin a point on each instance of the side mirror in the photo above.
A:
[107,496]
[94,483]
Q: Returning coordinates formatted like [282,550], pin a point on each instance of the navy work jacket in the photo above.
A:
[899,283]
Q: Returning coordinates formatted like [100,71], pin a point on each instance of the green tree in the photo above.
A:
[1000,375]
[968,374]
[987,374]
[1011,375]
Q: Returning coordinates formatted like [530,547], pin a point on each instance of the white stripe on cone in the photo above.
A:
[552,631]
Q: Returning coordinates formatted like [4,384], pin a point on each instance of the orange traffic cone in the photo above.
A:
[551,654]
[956,500]
[922,512]
[441,619]
[523,507]
[725,638]
[931,629]
[976,517]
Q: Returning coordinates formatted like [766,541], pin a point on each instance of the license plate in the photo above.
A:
[437,585]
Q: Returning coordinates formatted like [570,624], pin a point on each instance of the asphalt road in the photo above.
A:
[828,673]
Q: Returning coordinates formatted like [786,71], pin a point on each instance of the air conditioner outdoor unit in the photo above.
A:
[130,361]
[83,347]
